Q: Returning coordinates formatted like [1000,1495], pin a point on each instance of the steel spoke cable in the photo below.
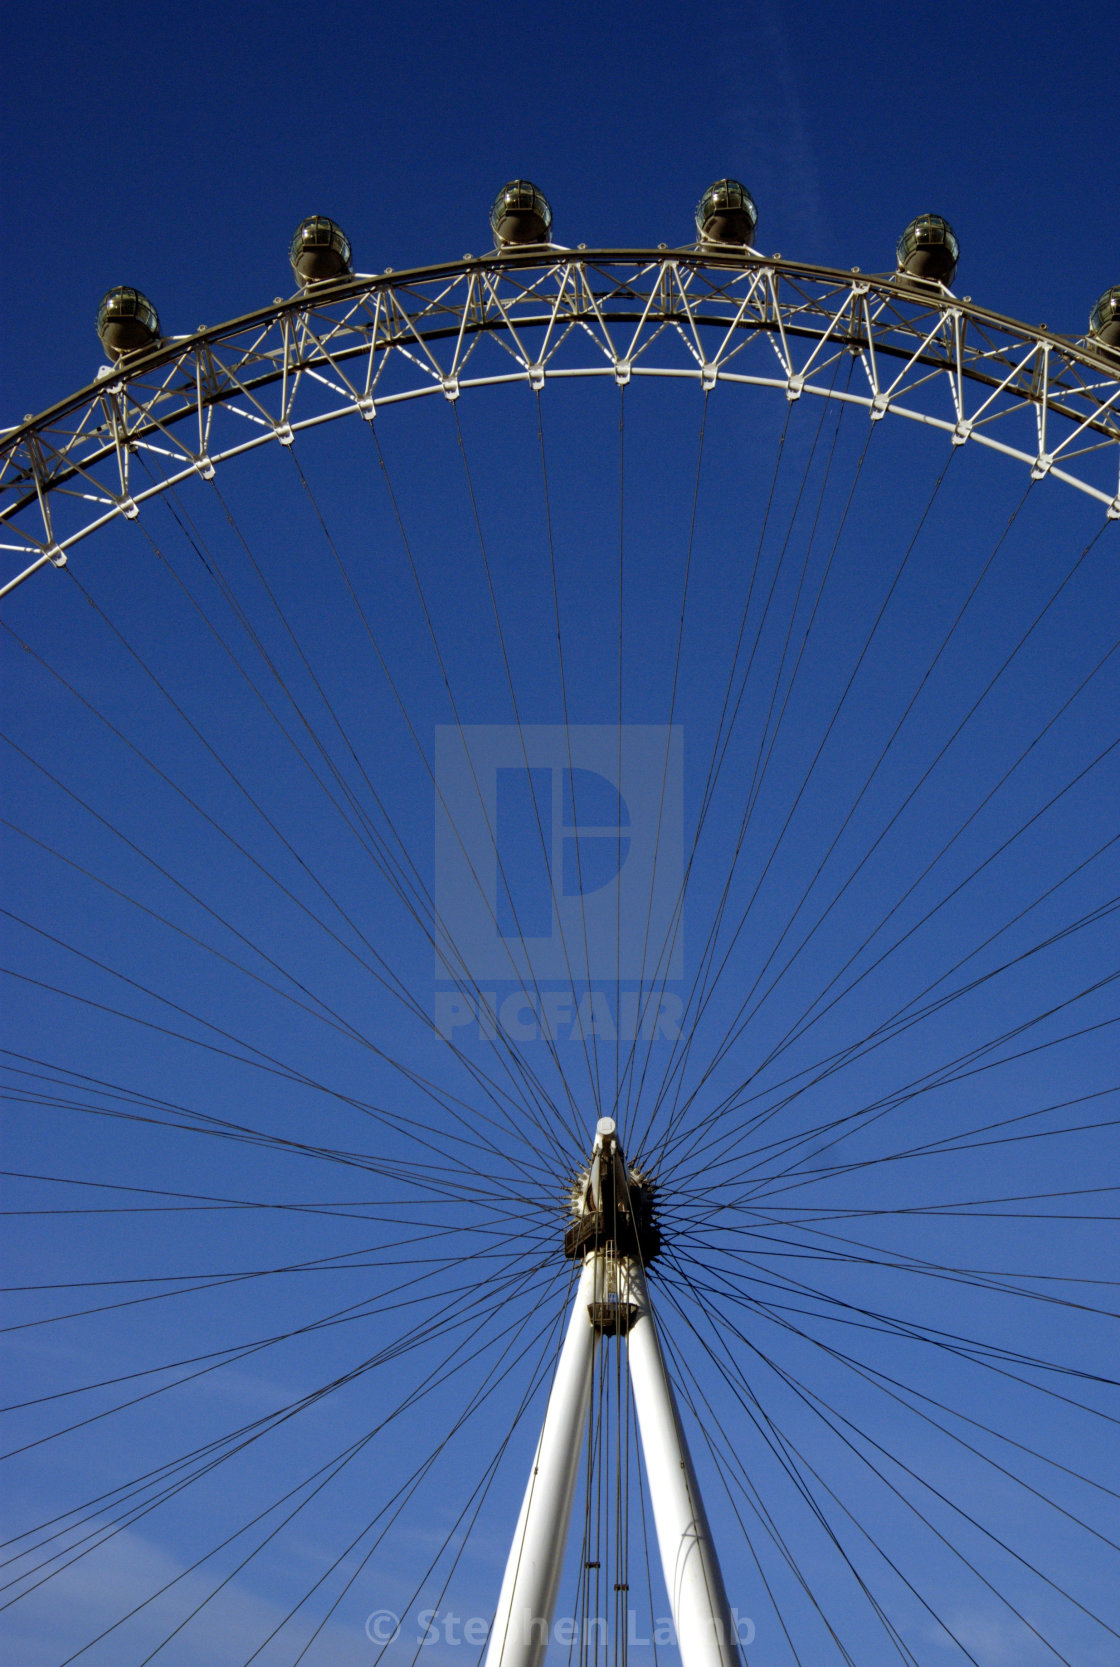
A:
[961,1143]
[657,988]
[590,1058]
[435,1184]
[359,1310]
[232,775]
[794,1181]
[237,1440]
[805,1022]
[780,1231]
[764,1235]
[778,568]
[322,1012]
[776,1240]
[815,1403]
[961,1067]
[857,476]
[431,1179]
[767,747]
[704,986]
[364,1308]
[811,1398]
[388,860]
[931,1149]
[800,1026]
[854,1316]
[395,861]
[104,1531]
[908,1014]
[424,913]
[837,1311]
[957,1070]
[435,937]
[742,1289]
[567,1124]
[888,1030]
[718,754]
[756,642]
[331,1210]
[897,1392]
[712,1197]
[187,799]
[263,1061]
[445,1190]
[334,1262]
[960,1211]
[535,1381]
[791,1461]
[411,890]
[692,1028]
[958,1207]
[340,1261]
[701,989]
[890,1261]
[449,1186]
[334,1467]
[897,729]
[195,806]
[347,1315]
[342,1209]
[377,971]
[590,1053]
[935,1150]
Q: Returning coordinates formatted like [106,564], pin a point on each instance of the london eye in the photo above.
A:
[525,773]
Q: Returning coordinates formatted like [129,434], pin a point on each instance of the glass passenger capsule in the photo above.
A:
[1104,320]
[929,249]
[320,249]
[520,214]
[126,322]
[726,213]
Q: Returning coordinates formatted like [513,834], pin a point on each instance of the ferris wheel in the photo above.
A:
[561,1042]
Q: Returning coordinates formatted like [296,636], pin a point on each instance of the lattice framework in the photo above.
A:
[356,346]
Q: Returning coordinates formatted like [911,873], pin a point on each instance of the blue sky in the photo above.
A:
[858,1325]
[179,154]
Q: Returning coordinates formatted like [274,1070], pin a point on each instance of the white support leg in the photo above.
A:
[701,1614]
[523,1622]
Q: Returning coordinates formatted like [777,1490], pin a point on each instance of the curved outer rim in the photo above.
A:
[964,369]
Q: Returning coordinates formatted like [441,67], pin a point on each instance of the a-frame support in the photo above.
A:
[613,1237]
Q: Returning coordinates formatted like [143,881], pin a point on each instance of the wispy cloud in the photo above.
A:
[769,124]
[96,1591]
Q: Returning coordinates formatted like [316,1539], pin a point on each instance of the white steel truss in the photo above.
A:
[710,315]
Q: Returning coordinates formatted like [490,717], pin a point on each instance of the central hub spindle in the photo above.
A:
[614,1226]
